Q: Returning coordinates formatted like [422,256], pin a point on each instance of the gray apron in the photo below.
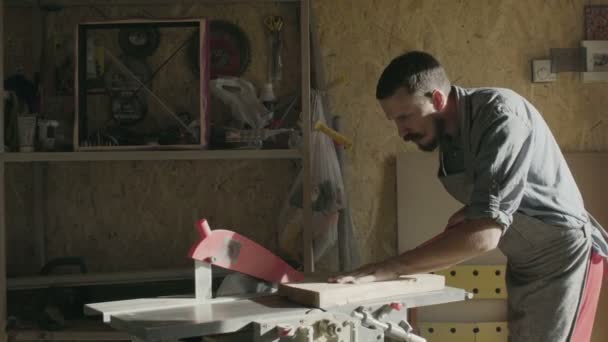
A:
[546,270]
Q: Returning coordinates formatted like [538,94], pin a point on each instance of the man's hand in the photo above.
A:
[468,239]
[380,271]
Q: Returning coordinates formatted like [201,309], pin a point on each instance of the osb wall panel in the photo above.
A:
[139,215]
[481,43]
[133,215]
[21,248]
[121,216]
[17,42]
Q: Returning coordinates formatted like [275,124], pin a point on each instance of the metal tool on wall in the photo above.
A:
[274,25]
[139,42]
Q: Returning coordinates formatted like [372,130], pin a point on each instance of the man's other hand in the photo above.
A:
[381,271]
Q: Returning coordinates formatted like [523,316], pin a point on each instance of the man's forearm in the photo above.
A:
[464,241]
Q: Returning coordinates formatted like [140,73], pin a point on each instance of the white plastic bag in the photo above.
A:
[328,187]
[241,96]
[328,196]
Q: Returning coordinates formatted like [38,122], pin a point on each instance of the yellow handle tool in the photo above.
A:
[337,137]
[274,23]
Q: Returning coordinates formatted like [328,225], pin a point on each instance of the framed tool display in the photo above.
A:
[147,81]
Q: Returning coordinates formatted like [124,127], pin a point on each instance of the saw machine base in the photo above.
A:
[266,317]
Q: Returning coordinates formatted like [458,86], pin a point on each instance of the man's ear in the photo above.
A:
[440,100]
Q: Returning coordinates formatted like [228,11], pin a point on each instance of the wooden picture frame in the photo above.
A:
[190,135]
[596,65]
[596,22]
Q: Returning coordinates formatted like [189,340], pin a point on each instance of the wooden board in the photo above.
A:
[320,294]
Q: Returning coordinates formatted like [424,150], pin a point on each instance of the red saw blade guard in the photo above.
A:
[235,252]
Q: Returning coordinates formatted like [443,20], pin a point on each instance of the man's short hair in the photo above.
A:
[416,71]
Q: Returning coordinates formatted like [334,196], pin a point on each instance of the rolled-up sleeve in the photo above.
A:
[500,168]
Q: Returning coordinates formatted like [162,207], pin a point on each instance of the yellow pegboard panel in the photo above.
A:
[442,332]
[492,332]
[464,332]
[485,282]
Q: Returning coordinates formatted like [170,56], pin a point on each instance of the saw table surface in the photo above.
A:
[220,316]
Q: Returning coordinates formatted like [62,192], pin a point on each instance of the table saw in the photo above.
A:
[269,316]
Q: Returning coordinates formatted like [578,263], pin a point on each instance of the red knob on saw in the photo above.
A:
[396,306]
[203,228]
[285,330]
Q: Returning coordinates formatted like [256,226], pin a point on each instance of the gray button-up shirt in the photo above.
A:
[512,162]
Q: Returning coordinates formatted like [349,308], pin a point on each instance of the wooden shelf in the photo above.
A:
[78,330]
[25,157]
[80,3]
[75,335]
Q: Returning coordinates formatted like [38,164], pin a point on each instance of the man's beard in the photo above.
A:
[429,147]
[433,144]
